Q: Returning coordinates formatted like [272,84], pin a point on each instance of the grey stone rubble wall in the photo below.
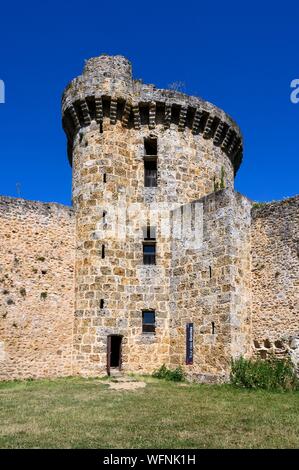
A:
[275,279]
[22,207]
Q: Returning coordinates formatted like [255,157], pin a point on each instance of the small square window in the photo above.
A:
[149,245]
[148,321]
[149,253]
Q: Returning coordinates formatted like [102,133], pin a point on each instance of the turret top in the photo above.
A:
[106,87]
[109,66]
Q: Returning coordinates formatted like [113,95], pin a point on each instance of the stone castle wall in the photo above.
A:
[186,171]
[211,288]
[69,278]
[275,278]
[36,289]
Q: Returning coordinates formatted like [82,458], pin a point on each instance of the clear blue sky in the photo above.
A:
[241,58]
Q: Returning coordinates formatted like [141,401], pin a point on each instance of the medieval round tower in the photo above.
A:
[133,147]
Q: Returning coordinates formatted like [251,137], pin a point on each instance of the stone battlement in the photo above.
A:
[106,89]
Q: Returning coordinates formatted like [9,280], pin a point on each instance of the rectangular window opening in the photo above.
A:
[148,321]
[150,146]
[149,246]
[102,303]
[149,253]
[103,251]
[150,172]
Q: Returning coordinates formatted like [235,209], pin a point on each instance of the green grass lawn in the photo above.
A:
[85,413]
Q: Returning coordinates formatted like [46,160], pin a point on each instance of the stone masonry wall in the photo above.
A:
[275,278]
[211,289]
[187,166]
[37,243]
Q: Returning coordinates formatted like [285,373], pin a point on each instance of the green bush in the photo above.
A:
[270,374]
[176,375]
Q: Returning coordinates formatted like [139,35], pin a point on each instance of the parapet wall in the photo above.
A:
[36,289]
[106,89]
[275,278]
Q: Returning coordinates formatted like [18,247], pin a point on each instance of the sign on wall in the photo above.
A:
[189,343]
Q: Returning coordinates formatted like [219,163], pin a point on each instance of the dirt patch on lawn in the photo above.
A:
[126,385]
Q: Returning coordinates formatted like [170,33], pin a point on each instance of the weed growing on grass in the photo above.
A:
[271,374]
[176,375]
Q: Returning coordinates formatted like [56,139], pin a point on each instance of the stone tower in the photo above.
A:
[138,291]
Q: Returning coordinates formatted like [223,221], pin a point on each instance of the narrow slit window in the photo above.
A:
[104,219]
[102,303]
[150,146]
[148,321]
[213,328]
[210,271]
[103,251]
[149,233]
[104,178]
[150,172]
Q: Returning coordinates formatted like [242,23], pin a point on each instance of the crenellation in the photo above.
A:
[99,110]
[113,111]
[182,119]
[85,113]
[219,133]
[136,116]
[227,139]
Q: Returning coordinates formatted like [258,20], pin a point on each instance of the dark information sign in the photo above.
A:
[189,343]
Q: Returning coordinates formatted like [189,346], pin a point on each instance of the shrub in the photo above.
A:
[176,375]
[256,205]
[222,180]
[270,374]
